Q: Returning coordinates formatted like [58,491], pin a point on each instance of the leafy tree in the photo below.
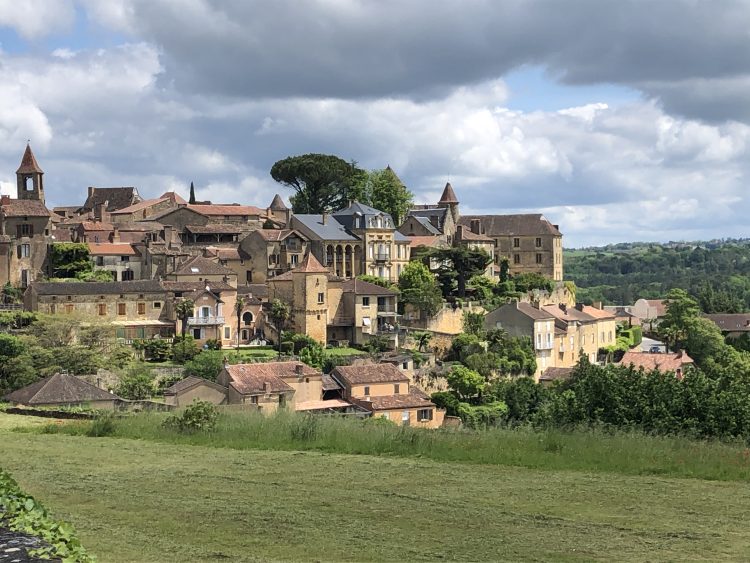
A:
[473,323]
[322,182]
[16,367]
[11,294]
[207,365]
[377,280]
[95,275]
[183,308]
[681,310]
[137,384]
[531,280]
[387,193]
[279,314]
[446,400]
[67,259]
[465,383]
[313,355]
[419,288]
[239,306]
[422,338]
[184,349]
[464,345]
[377,344]
[461,262]
[504,270]
[486,364]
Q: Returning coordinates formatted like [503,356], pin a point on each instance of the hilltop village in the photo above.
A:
[235,276]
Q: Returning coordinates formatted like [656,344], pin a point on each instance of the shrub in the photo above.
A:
[101,426]
[207,365]
[199,416]
[137,384]
[299,341]
[184,349]
[313,355]
[155,349]
[287,348]
[212,344]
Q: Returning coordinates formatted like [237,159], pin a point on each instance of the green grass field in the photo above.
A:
[144,501]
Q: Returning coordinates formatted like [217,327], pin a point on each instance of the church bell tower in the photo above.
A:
[29,177]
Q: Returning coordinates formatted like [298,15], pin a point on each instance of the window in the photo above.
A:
[538,242]
[365,301]
[405,417]
[127,275]
[227,333]
[24,278]
[272,259]
[321,298]
[157,304]
[516,258]
[124,258]
[247,318]
[516,243]
[367,391]
[69,307]
[205,312]
[294,259]
[248,276]
[254,399]
[100,260]
[141,308]
[25,230]
[53,308]
[121,309]
[538,258]
[405,365]
[396,389]
[24,250]
[102,309]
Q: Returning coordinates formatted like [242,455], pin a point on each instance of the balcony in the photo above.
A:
[382,257]
[205,321]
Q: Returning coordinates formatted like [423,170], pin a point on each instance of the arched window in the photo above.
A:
[247,318]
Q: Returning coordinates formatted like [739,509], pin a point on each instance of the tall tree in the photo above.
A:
[191,201]
[420,289]
[387,193]
[278,315]
[238,308]
[184,309]
[462,262]
[323,183]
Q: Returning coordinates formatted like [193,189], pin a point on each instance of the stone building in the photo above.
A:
[121,259]
[271,252]
[24,226]
[434,220]
[354,241]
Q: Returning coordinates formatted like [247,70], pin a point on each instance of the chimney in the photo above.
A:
[597,305]
[579,306]
[325,217]
[91,191]
[459,232]
[475,226]
[299,370]
[168,233]
[100,211]
[563,307]
[5,200]
[115,234]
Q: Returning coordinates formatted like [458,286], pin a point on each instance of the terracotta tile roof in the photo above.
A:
[254,379]
[322,405]
[659,304]
[25,208]
[200,265]
[145,204]
[449,196]
[310,265]
[600,314]
[29,165]
[59,389]
[530,311]
[424,241]
[214,228]
[277,204]
[360,287]
[190,382]
[225,209]
[553,374]
[174,196]
[510,225]
[96,226]
[273,235]
[413,399]
[661,362]
[731,322]
[259,290]
[96,288]
[569,314]
[369,373]
[111,249]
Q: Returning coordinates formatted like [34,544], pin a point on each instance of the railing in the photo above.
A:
[382,256]
[205,320]
[11,307]
[386,309]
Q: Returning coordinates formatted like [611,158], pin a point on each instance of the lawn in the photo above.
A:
[13,421]
[134,500]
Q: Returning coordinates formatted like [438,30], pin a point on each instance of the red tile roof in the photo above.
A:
[25,208]
[222,209]
[369,373]
[254,379]
[413,399]
[111,249]
[669,362]
[29,165]
[310,265]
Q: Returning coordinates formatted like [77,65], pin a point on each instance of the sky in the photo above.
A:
[620,121]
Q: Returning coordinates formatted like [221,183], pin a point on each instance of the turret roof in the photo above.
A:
[310,265]
[449,196]
[277,204]
[29,165]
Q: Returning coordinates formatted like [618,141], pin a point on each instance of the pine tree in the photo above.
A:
[192,194]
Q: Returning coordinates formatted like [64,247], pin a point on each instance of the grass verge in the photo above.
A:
[620,452]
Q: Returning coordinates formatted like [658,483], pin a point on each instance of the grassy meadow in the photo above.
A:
[262,489]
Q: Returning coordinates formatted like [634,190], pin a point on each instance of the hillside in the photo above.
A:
[714,272]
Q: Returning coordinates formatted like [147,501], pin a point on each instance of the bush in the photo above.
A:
[212,344]
[299,341]
[155,349]
[101,426]
[313,355]
[287,348]
[207,365]
[184,349]
[137,384]
[199,416]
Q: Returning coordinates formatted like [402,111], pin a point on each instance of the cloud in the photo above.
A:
[34,19]
[680,52]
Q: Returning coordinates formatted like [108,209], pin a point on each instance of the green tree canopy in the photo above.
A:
[322,182]
[420,289]
[462,263]
[465,383]
[384,190]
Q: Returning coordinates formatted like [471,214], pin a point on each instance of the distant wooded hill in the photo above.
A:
[714,272]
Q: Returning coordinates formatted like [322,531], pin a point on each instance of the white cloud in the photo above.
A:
[34,19]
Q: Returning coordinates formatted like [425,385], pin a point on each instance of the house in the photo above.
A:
[194,388]
[649,311]
[675,363]
[732,325]
[147,208]
[63,390]
[24,226]
[356,240]
[529,242]
[271,252]
[550,375]
[271,385]
[385,391]
[102,201]
[434,220]
[137,309]
[524,320]
[577,334]
[122,259]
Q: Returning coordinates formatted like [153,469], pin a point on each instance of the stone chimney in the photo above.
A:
[168,234]
[563,307]
[115,234]
[459,232]
[91,191]
[475,226]
[324,218]
[226,362]
[5,200]
[100,212]
[265,386]
[579,306]
[299,369]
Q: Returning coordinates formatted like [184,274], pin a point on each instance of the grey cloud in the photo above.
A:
[422,48]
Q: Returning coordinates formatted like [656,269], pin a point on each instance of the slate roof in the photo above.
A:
[332,230]
[728,322]
[25,208]
[249,379]
[449,196]
[360,287]
[111,249]
[259,290]
[117,198]
[225,209]
[200,265]
[94,288]
[355,209]
[369,373]
[277,204]
[528,224]
[425,222]
[190,382]
[661,362]
[185,286]
[29,165]
[59,389]
[413,399]
[468,235]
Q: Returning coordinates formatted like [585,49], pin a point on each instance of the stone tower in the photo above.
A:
[29,177]
[310,286]
[449,200]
